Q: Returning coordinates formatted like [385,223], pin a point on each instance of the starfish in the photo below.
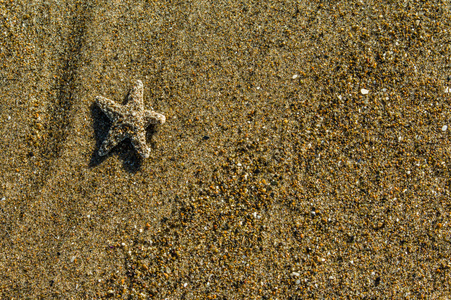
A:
[129,121]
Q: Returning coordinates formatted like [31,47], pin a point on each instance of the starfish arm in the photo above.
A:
[139,142]
[109,107]
[135,97]
[116,134]
[151,117]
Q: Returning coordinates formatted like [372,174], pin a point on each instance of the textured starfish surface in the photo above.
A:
[129,121]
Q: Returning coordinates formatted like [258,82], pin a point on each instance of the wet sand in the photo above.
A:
[305,153]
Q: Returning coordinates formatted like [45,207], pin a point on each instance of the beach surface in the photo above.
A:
[306,150]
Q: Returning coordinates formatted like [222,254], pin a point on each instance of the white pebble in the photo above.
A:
[447,89]
[295,274]
[72,259]
[295,76]
[364,91]
[444,128]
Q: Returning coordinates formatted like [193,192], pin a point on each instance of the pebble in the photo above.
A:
[364,91]
[295,76]
[444,128]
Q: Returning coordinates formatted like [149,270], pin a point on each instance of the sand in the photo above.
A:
[305,154]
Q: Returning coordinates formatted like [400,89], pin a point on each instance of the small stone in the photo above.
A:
[364,91]
[447,90]
[444,128]
[295,76]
